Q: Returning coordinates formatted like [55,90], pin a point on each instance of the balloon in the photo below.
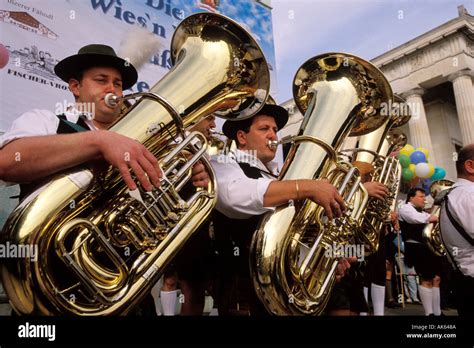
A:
[422,170]
[439,173]
[417,157]
[407,174]
[407,150]
[432,170]
[412,167]
[427,183]
[425,151]
[404,160]
[4,56]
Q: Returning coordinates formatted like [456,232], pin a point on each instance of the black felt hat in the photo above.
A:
[96,55]
[280,114]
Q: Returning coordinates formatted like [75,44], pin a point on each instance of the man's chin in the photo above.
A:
[109,114]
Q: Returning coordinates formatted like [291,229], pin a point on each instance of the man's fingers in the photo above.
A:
[341,202]
[152,172]
[336,209]
[140,174]
[198,168]
[379,196]
[201,180]
[154,162]
[201,183]
[328,210]
[124,172]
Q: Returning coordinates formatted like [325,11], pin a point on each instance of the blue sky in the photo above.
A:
[367,28]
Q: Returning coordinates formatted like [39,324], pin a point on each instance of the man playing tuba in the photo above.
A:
[247,189]
[40,143]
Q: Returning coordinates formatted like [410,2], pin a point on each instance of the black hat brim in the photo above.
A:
[280,114]
[70,66]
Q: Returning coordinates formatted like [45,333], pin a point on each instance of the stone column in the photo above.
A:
[464,95]
[419,131]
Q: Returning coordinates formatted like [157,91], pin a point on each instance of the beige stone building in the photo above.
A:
[434,73]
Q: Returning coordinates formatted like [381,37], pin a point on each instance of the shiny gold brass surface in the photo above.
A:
[431,233]
[216,144]
[375,148]
[294,252]
[102,248]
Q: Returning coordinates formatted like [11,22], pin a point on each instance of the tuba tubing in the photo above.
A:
[431,233]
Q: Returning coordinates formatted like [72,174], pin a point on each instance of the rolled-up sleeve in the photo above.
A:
[32,123]
[239,197]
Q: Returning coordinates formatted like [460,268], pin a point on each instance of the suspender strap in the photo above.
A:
[456,224]
[253,172]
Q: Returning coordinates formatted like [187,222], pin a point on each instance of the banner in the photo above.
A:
[37,34]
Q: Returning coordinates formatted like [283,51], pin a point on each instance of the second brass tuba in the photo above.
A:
[375,148]
[101,248]
[293,252]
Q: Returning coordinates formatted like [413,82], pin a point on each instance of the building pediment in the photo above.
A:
[463,24]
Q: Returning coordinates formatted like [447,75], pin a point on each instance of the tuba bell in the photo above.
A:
[339,95]
[102,248]
[431,233]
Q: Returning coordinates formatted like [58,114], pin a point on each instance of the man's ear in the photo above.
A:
[241,138]
[74,87]
[469,166]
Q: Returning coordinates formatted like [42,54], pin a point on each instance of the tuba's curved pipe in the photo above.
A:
[101,248]
[292,264]
[431,233]
[375,148]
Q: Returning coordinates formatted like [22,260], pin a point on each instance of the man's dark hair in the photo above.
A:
[79,75]
[412,193]
[466,153]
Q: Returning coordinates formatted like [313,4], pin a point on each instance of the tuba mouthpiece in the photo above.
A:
[111,100]
[272,144]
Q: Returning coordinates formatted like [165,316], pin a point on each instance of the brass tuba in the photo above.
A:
[431,233]
[374,148]
[293,260]
[102,248]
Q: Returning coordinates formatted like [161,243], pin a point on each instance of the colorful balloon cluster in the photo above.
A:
[415,164]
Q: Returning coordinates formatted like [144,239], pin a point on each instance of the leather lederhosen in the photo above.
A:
[234,288]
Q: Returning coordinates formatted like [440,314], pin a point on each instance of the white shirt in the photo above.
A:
[461,206]
[409,214]
[39,122]
[240,197]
